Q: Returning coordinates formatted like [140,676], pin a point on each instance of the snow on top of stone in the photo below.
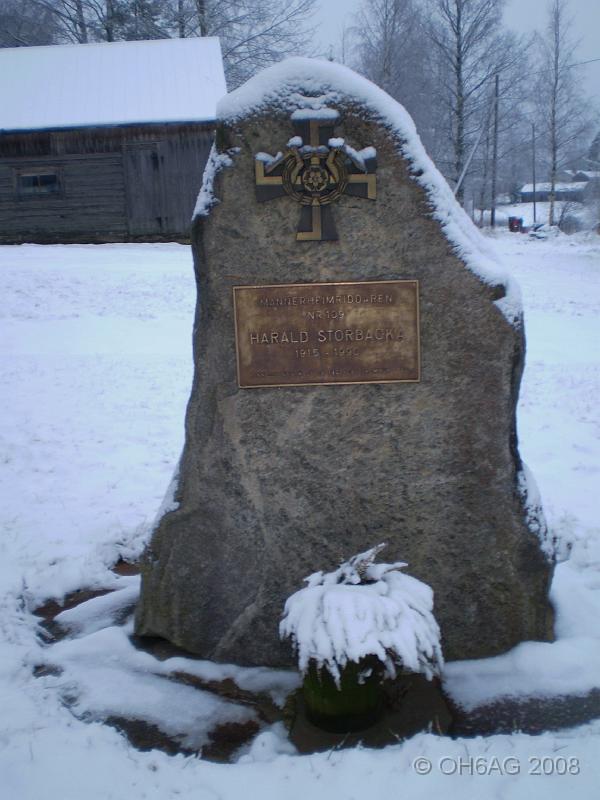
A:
[114,83]
[311,87]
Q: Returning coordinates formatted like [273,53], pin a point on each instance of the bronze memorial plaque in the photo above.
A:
[302,334]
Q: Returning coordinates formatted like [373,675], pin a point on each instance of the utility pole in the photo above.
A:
[533,169]
[495,151]
[468,164]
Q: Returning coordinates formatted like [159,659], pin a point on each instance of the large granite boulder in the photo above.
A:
[275,483]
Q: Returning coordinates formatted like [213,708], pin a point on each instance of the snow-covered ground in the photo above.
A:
[580,216]
[95,367]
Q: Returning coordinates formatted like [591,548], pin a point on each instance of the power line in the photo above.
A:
[549,70]
[581,63]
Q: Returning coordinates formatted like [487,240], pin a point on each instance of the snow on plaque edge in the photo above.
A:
[287,86]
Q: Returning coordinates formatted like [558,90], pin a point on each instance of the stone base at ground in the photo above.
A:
[532,715]
[413,704]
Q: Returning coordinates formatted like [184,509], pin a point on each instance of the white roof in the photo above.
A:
[589,173]
[110,83]
[578,186]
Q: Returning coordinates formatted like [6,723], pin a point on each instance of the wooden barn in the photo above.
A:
[105,142]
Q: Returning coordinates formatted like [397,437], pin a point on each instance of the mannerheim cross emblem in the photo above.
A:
[315,170]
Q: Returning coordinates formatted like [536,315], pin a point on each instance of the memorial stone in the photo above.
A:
[357,356]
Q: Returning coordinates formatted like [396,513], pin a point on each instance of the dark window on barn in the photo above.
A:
[38,183]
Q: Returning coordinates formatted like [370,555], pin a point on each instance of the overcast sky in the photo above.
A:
[521,15]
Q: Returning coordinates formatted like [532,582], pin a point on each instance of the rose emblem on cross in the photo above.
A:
[315,170]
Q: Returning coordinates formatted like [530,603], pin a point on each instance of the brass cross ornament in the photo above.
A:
[316,174]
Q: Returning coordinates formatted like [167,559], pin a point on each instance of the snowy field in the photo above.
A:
[584,215]
[95,368]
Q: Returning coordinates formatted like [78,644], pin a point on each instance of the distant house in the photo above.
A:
[105,142]
[592,190]
[565,175]
[594,154]
[562,191]
[586,175]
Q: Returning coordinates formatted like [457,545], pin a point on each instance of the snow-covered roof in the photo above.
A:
[577,186]
[587,174]
[315,86]
[76,85]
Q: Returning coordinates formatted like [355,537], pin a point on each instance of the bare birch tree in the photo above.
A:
[594,153]
[21,24]
[388,36]
[385,30]
[253,33]
[471,49]
[561,109]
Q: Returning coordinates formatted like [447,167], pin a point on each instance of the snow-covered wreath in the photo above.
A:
[364,609]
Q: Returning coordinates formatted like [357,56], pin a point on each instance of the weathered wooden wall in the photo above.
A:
[93,200]
[117,183]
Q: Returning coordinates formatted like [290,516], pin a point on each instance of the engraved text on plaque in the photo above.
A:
[326,333]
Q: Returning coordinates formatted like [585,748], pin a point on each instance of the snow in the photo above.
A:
[577,186]
[206,197]
[534,511]
[99,612]
[354,612]
[358,156]
[169,503]
[104,675]
[88,335]
[577,216]
[319,112]
[114,83]
[524,211]
[96,368]
[559,432]
[308,88]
